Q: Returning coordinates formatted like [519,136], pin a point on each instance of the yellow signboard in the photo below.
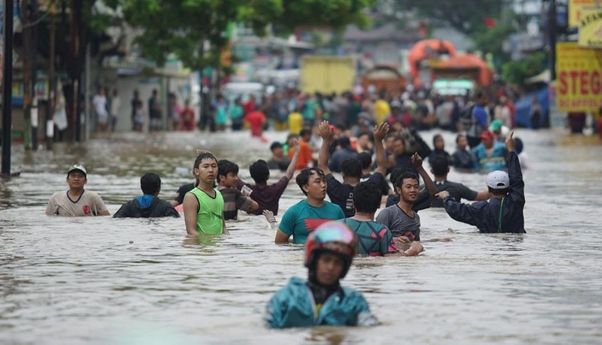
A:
[576,7]
[590,28]
[579,78]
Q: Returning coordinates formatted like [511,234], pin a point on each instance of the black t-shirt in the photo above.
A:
[185,188]
[278,164]
[158,208]
[441,154]
[403,162]
[342,194]
[456,190]
[384,186]
[463,159]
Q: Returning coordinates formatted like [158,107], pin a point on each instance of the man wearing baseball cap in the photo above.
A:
[76,202]
[503,212]
[490,154]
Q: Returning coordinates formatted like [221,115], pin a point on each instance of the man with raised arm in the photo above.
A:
[342,193]
[268,196]
[401,218]
[503,212]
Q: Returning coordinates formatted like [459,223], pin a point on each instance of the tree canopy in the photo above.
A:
[195,30]
[466,16]
[516,72]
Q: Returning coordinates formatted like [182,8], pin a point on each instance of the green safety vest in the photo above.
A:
[210,217]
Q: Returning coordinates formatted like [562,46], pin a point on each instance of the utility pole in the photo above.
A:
[7,87]
[74,110]
[552,32]
[87,93]
[28,80]
[51,77]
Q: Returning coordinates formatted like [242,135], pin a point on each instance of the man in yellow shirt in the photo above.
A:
[382,110]
[295,122]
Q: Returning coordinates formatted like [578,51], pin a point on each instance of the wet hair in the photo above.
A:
[391,136]
[459,136]
[498,191]
[435,137]
[366,197]
[275,145]
[304,132]
[260,172]
[344,142]
[224,167]
[439,165]
[303,177]
[519,145]
[398,137]
[370,135]
[203,155]
[351,168]
[365,159]
[395,175]
[404,175]
[150,183]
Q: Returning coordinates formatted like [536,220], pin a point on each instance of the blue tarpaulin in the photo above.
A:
[523,108]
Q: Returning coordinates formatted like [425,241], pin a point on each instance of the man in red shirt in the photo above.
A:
[305,151]
[187,117]
[250,105]
[256,119]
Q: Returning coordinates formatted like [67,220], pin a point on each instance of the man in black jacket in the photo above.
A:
[440,169]
[503,212]
[147,205]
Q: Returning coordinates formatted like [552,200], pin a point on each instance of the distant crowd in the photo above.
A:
[379,156]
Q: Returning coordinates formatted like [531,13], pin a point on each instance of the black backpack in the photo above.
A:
[469,124]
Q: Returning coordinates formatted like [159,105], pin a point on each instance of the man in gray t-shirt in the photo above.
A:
[400,218]
[76,202]
[400,223]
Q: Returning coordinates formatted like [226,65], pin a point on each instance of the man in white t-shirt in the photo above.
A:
[115,105]
[100,107]
[76,202]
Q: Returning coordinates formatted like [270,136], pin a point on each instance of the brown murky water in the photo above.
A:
[128,281]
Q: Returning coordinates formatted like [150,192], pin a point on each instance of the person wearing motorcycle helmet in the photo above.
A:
[321,300]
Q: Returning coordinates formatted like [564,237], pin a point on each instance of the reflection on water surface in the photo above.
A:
[132,281]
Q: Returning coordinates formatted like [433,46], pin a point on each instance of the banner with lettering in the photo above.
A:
[576,8]
[579,78]
[590,28]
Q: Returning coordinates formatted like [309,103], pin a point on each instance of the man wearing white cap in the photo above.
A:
[503,212]
[76,202]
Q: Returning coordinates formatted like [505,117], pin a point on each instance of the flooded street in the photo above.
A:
[138,281]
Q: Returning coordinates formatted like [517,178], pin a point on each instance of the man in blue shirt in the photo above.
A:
[490,154]
[503,212]
[476,119]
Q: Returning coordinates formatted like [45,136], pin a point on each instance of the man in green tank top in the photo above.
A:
[204,204]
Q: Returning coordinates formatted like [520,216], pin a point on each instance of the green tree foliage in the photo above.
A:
[491,40]
[466,16]
[516,72]
[331,13]
[195,30]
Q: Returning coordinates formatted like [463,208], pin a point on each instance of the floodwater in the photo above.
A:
[131,281]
